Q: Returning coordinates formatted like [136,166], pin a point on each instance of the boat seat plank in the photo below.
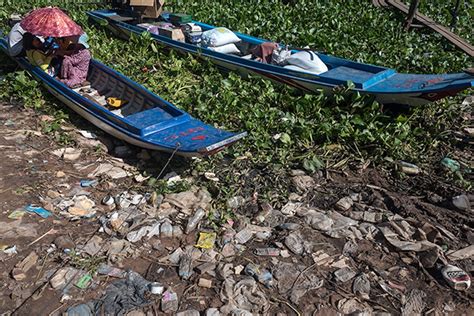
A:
[146,120]
[361,79]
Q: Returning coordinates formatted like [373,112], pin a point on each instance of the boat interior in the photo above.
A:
[340,70]
[139,106]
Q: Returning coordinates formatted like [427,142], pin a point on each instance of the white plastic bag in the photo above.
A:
[280,56]
[226,49]
[307,60]
[219,36]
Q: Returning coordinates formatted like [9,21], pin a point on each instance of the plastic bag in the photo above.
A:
[226,49]
[308,61]
[280,56]
[218,37]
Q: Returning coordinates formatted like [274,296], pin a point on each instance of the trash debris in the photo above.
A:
[205,267]
[206,240]
[408,168]
[21,268]
[87,134]
[189,312]
[85,183]
[186,266]
[84,281]
[361,286]
[205,283]
[344,274]
[243,236]
[243,296]
[105,269]
[272,252]
[68,153]
[464,253]
[156,288]
[415,303]
[110,170]
[130,292]
[456,277]
[93,246]
[193,221]
[461,202]
[211,176]
[290,208]
[450,164]
[169,301]
[64,277]
[344,204]
[10,250]
[38,210]
[294,242]
[17,214]
[260,274]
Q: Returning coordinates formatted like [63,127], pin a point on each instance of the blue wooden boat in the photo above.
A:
[388,86]
[146,120]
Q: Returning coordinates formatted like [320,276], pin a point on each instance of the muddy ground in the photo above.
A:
[308,276]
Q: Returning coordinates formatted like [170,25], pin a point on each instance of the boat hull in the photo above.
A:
[114,126]
[394,88]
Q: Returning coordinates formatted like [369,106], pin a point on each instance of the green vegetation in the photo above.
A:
[286,128]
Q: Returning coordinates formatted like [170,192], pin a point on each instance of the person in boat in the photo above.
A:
[75,58]
[36,53]
[15,40]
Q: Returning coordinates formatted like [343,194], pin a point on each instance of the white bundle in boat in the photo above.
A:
[307,61]
[226,49]
[219,36]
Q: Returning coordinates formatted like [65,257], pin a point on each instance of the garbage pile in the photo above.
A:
[356,256]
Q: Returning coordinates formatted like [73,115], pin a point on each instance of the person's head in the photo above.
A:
[31,41]
[65,42]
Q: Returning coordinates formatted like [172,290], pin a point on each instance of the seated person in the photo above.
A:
[15,40]
[35,52]
[75,59]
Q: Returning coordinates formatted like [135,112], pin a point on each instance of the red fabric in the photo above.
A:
[50,22]
[74,68]
[264,52]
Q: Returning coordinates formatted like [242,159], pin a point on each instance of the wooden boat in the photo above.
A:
[388,86]
[146,120]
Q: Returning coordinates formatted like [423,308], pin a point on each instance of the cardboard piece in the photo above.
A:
[175,34]
[148,8]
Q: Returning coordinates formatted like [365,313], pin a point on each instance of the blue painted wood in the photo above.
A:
[163,127]
[385,83]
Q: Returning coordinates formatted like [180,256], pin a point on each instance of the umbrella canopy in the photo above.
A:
[50,22]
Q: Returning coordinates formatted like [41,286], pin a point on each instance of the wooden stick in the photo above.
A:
[411,13]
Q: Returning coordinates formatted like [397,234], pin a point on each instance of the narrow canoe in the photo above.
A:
[146,120]
[385,84]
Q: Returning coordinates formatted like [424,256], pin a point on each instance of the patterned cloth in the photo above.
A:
[75,67]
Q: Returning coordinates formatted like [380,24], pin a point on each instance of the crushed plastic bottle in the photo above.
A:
[186,266]
[272,252]
[260,274]
[166,229]
[450,164]
[194,221]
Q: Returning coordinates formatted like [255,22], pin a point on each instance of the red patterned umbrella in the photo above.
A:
[50,22]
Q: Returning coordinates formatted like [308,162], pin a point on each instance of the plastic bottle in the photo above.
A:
[261,275]
[186,266]
[166,229]
[194,221]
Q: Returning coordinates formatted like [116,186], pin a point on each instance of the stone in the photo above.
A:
[205,283]
[64,242]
